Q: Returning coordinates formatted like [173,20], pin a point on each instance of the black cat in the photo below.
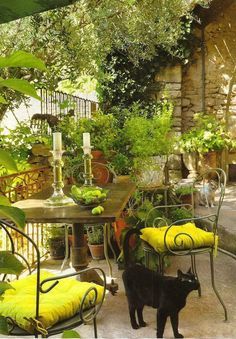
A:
[146,287]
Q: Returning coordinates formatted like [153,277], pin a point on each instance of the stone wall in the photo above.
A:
[216,90]
[169,81]
[220,61]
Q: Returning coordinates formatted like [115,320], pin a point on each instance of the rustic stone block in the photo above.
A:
[186,102]
[170,74]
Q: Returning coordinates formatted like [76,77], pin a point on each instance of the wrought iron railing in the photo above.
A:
[19,186]
[22,185]
[60,104]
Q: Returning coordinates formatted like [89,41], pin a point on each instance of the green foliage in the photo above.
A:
[9,212]
[102,129]
[180,213]
[76,40]
[123,80]
[18,141]
[9,264]
[148,137]
[22,59]
[13,213]
[7,161]
[54,231]
[95,234]
[208,134]
[4,286]
[70,334]
[121,164]
[3,325]
[185,189]
[10,84]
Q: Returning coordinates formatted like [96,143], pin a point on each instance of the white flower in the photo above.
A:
[207,135]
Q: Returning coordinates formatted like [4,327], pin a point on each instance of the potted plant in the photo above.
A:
[206,138]
[95,241]
[186,194]
[103,133]
[150,141]
[55,241]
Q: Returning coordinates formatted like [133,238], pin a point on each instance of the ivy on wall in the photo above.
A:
[122,82]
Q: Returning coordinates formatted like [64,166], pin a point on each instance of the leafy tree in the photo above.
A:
[77,39]
[10,85]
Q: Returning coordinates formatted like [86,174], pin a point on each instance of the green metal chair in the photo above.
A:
[190,236]
[43,283]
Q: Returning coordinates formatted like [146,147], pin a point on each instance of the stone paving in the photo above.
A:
[201,318]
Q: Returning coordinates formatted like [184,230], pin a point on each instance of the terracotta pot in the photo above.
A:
[119,225]
[97,251]
[208,160]
[97,154]
[187,199]
[100,171]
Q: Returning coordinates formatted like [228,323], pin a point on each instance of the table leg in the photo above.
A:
[79,256]
[79,249]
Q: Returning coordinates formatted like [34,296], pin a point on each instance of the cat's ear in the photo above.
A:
[179,274]
[189,270]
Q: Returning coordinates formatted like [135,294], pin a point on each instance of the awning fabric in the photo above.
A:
[15,9]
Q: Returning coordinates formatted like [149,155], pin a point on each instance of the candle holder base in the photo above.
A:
[59,199]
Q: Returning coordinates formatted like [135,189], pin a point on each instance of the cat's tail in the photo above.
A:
[126,245]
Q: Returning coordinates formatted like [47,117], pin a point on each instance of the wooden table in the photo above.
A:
[37,212]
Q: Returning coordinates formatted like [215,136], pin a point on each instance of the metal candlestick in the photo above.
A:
[88,175]
[58,197]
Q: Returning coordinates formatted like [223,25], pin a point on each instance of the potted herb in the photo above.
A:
[150,141]
[95,241]
[55,241]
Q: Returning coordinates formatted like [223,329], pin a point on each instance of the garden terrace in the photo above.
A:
[131,54]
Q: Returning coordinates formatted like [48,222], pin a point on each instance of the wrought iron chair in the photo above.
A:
[189,236]
[81,300]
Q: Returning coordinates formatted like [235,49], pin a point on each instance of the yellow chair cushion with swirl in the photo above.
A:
[178,237]
[61,303]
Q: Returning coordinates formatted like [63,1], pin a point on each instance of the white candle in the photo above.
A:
[57,141]
[86,140]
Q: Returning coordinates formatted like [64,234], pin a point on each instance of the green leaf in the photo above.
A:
[4,285]
[7,161]
[2,100]
[9,264]
[3,325]
[22,59]
[70,334]
[4,201]
[20,85]
[13,213]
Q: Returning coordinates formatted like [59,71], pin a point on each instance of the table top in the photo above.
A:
[36,210]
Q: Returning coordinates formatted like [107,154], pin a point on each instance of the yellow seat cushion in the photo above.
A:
[61,303]
[155,237]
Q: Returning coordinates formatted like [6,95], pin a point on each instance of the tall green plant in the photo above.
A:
[151,136]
